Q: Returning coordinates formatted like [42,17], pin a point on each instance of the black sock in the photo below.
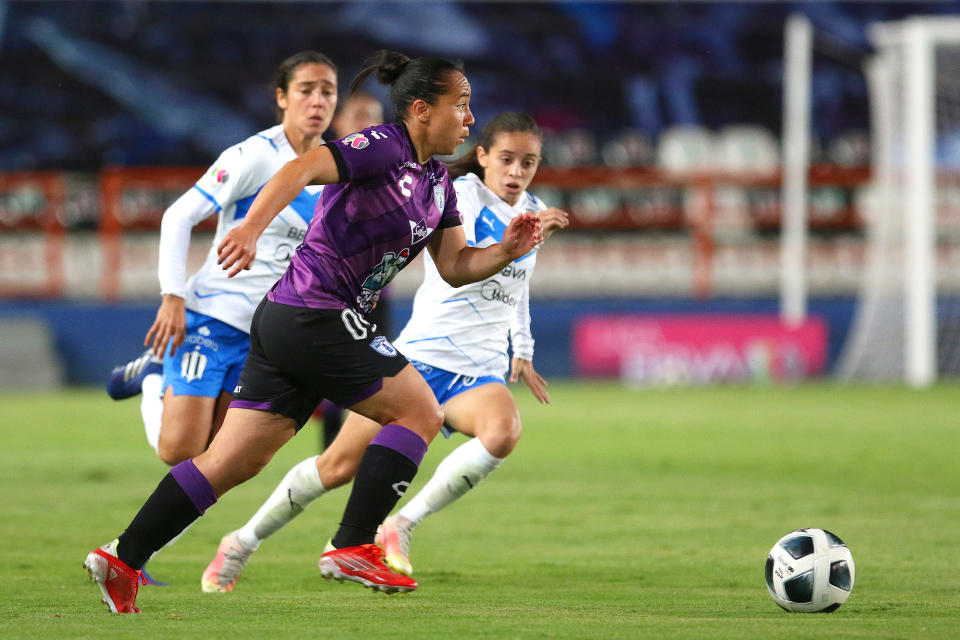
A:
[382,478]
[332,420]
[165,514]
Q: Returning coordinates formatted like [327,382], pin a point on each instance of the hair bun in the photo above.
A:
[389,65]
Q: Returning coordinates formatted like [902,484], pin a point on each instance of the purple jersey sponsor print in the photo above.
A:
[369,225]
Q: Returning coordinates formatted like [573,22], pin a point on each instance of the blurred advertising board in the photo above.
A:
[695,349]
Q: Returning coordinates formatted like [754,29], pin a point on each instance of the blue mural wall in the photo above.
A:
[91,337]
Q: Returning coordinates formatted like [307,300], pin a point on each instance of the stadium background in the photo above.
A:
[664,125]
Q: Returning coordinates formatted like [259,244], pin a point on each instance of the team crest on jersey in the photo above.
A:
[220,175]
[383,273]
[439,197]
[382,346]
[418,230]
[356,141]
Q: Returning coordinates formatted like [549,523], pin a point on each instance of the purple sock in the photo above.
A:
[383,475]
[194,484]
[181,497]
[402,440]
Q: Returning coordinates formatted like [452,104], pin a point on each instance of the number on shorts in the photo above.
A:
[356,325]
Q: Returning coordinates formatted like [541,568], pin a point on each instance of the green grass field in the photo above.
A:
[622,514]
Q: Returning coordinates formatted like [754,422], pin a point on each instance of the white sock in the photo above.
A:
[459,472]
[299,487]
[151,407]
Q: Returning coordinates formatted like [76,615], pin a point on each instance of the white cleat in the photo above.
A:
[393,536]
[222,572]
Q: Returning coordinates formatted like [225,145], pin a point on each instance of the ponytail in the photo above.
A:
[409,79]
[388,65]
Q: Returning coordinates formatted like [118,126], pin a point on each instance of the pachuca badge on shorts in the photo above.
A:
[381,345]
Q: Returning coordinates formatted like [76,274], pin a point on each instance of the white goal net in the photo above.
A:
[907,323]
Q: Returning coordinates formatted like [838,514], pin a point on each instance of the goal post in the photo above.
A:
[919,112]
[913,225]
[798,56]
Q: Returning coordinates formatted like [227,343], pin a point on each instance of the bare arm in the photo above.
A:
[238,248]
[459,264]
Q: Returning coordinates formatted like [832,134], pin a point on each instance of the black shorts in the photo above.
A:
[299,356]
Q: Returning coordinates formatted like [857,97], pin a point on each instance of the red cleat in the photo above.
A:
[118,583]
[364,564]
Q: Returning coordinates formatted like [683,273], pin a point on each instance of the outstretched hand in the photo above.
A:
[521,369]
[237,249]
[169,327]
[523,234]
[553,219]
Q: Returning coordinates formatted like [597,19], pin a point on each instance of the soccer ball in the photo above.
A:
[809,570]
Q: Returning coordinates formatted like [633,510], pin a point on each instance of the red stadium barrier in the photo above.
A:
[134,199]
[31,202]
[641,200]
[649,199]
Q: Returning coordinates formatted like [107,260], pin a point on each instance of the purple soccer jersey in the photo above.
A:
[369,225]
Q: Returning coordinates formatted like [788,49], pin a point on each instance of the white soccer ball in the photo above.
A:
[810,570]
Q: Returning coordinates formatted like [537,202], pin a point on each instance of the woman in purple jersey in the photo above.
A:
[387,199]
[480,407]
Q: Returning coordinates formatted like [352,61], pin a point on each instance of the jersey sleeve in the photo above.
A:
[365,154]
[468,204]
[521,339]
[228,178]
[238,172]
[175,228]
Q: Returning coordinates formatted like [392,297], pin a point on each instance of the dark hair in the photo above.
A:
[506,122]
[409,79]
[284,72]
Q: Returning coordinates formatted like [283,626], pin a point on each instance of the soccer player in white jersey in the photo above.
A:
[202,329]
[457,338]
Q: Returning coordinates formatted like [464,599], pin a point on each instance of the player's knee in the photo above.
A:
[436,418]
[425,421]
[432,420]
[337,472]
[501,436]
[173,452]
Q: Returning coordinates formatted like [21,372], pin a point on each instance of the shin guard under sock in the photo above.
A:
[181,497]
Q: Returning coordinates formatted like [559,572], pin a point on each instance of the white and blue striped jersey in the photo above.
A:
[466,329]
[228,188]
